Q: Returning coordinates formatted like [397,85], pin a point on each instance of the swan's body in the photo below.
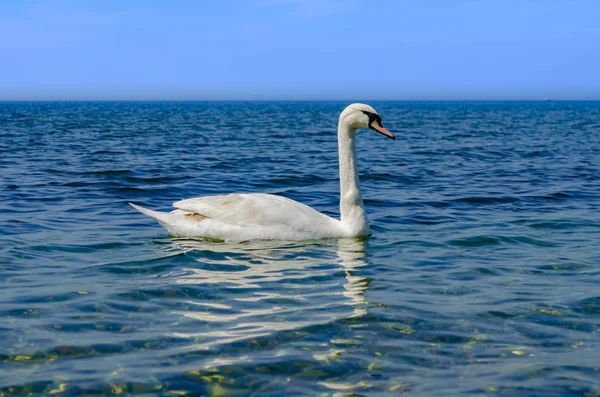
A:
[241,217]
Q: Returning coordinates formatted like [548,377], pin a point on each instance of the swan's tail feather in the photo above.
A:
[161,217]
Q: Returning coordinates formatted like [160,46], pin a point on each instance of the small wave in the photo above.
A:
[108,172]
[590,306]
[110,152]
[487,200]
[554,196]
[539,153]
[424,219]
[562,224]
[482,241]
[298,180]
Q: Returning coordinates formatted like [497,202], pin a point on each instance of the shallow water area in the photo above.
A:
[480,277]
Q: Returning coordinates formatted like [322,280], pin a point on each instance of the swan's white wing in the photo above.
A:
[259,209]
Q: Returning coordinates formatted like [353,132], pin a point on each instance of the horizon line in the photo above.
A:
[301,100]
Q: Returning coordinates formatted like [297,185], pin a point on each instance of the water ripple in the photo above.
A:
[480,277]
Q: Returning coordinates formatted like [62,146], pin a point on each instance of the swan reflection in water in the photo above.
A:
[268,286]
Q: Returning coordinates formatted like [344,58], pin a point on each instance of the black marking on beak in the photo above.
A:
[373,117]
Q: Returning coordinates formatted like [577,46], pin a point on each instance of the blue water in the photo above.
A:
[481,276]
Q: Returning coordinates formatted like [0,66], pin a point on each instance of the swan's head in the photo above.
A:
[359,115]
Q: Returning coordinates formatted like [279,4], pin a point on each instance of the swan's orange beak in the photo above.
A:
[381,129]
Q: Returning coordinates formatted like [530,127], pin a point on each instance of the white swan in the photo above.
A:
[256,216]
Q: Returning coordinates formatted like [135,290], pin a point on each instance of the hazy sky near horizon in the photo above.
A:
[299,49]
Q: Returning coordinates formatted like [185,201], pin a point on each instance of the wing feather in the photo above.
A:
[257,209]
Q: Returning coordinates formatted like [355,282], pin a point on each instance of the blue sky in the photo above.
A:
[299,49]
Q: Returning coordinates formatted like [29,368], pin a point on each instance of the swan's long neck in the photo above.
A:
[352,210]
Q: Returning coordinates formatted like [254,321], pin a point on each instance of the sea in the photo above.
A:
[481,276]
